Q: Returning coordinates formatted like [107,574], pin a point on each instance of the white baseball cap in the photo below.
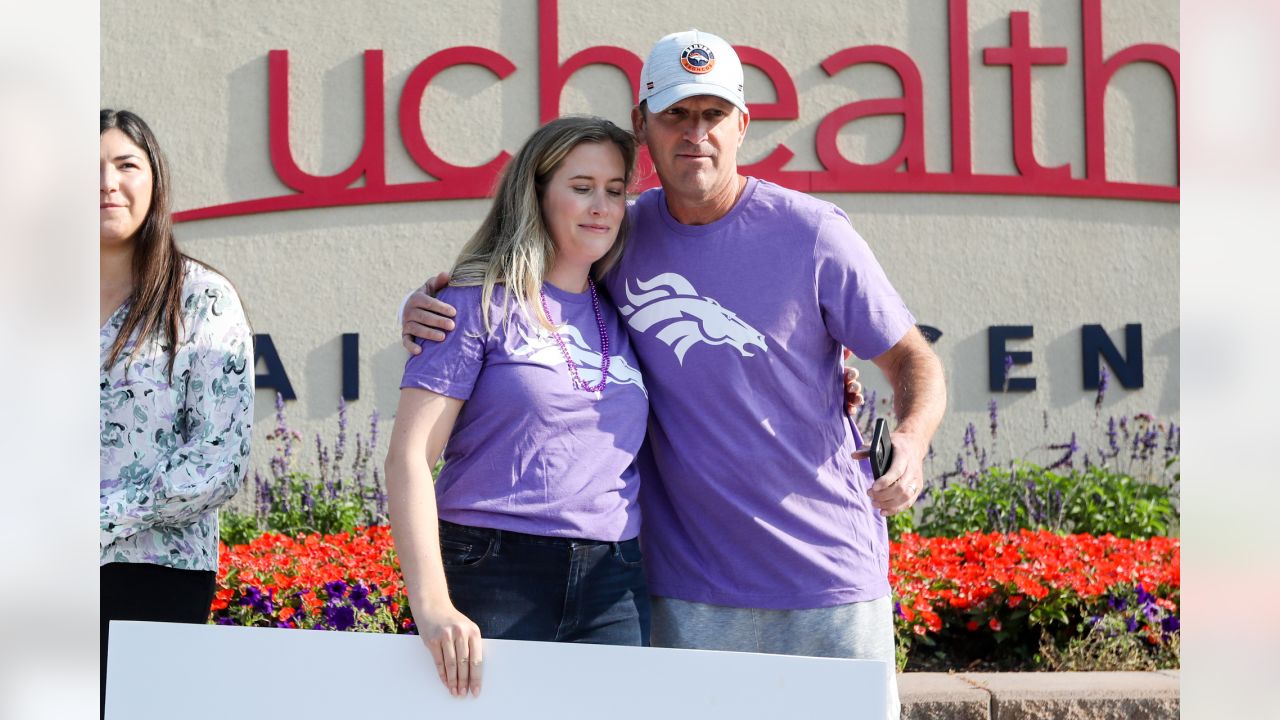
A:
[690,63]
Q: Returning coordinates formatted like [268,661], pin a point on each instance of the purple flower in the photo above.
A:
[229,621]
[250,596]
[1170,448]
[1149,441]
[897,610]
[281,427]
[254,599]
[339,450]
[871,414]
[1131,624]
[359,465]
[1117,603]
[1070,448]
[1008,368]
[336,589]
[1111,436]
[360,598]
[970,436]
[993,413]
[340,617]
[1170,624]
[262,493]
[1104,379]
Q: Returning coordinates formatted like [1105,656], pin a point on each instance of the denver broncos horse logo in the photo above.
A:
[690,317]
[544,351]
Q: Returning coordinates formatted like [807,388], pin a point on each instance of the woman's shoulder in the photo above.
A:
[206,293]
[198,277]
[471,297]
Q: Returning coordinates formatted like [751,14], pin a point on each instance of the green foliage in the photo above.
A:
[903,522]
[237,528]
[1107,646]
[1025,496]
[301,505]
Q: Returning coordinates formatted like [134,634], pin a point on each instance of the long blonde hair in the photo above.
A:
[513,245]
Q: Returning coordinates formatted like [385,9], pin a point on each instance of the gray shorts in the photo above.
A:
[860,630]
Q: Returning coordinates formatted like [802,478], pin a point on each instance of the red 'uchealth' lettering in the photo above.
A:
[904,171]
[1020,57]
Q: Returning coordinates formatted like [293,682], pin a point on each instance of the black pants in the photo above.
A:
[141,591]
[529,587]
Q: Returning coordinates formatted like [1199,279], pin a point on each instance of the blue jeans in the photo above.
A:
[516,586]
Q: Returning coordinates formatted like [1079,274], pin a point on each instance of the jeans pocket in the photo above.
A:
[628,553]
[464,553]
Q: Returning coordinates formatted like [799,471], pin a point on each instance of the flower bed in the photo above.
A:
[1018,601]
[999,601]
[346,581]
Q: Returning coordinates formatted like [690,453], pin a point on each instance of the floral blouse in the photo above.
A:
[173,453]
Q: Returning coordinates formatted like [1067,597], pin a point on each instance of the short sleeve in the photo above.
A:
[450,367]
[859,305]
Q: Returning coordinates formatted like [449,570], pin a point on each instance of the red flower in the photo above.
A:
[994,624]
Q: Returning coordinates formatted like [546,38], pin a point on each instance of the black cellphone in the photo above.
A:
[881,449]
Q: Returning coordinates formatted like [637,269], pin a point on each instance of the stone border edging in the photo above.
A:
[1032,695]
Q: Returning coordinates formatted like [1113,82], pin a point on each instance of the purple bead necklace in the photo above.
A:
[604,344]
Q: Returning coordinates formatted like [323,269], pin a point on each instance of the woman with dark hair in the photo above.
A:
[530,531]
[176,394]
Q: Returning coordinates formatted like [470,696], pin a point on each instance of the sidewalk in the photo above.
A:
[1032,696]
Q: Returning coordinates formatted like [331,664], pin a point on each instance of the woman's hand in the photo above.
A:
[454,643]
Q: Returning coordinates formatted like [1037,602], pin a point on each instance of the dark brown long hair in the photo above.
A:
[158,265]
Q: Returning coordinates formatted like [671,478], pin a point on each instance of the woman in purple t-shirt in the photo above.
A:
[530,531]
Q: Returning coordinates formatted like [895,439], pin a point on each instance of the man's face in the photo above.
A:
[694,145]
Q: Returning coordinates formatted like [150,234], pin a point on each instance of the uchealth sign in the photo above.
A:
[1013,164]
[907,170]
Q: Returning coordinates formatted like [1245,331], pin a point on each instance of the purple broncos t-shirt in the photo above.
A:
[529,452]
[738,324]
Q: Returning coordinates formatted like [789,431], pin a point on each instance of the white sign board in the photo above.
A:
[162,670]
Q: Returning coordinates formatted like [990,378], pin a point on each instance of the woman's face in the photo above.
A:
[584,203]
[125,193]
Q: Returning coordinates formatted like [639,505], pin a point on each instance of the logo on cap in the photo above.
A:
[697,59]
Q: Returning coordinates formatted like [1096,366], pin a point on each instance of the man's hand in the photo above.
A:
[852,390]
[426,317]
[919,399]
[901,484]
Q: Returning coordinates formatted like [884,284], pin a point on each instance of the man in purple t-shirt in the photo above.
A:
[761,526]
